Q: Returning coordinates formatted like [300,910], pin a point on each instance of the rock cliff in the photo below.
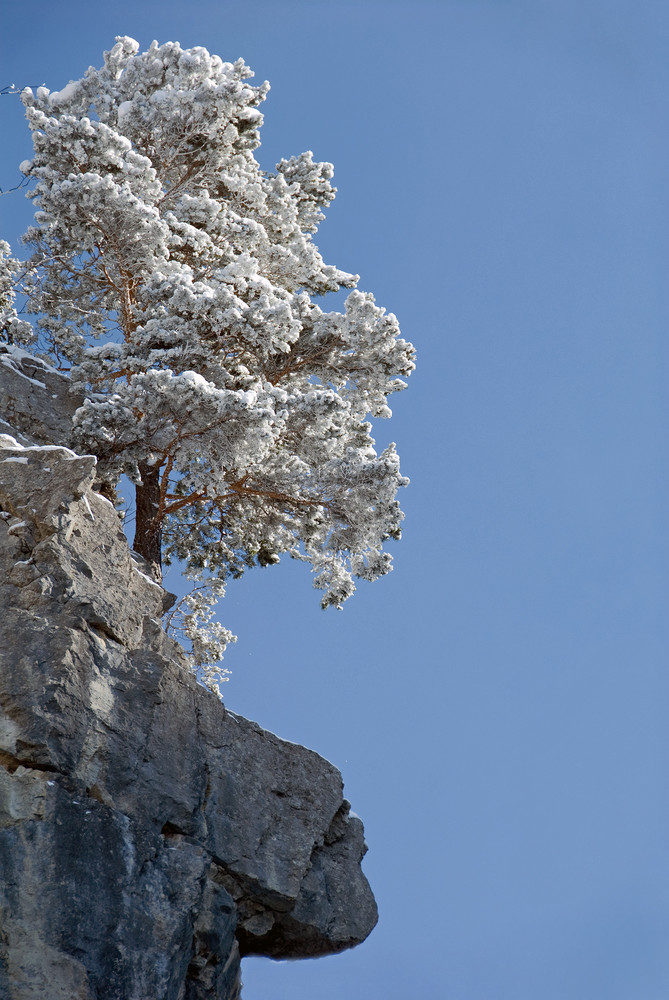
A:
[149,838]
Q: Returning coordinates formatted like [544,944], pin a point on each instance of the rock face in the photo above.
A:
[148,837]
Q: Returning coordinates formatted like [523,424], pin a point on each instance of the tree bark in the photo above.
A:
[148,527]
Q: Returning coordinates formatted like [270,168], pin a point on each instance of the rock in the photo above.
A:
[149,838]
[36,404]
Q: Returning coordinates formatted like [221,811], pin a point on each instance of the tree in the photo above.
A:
[177,282]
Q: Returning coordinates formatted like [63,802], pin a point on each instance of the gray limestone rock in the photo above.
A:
[148,836]
[36,404]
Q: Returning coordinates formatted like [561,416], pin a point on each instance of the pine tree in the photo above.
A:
[177,282]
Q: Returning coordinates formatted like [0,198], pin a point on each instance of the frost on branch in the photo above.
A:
[191,620]
[175,280]
[13,329]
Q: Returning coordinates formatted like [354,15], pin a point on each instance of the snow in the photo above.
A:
[88,507]
[7,441]
[147,578]
[104,500]
[194,378]
[25,166]
[66,94]
[20,354]
[19,461]
[15,527]
[4,358]
[69,455]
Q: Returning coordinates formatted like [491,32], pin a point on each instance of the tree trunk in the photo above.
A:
[148,529]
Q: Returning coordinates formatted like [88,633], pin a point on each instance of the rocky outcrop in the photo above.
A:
[148,836]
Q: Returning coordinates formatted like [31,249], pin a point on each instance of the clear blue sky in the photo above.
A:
[499,705]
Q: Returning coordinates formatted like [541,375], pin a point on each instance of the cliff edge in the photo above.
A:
[149,838]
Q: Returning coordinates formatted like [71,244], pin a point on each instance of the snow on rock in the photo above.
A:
[13,528]
[7,441]
[35,398]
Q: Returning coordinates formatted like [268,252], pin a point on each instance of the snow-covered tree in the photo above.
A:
[176,280]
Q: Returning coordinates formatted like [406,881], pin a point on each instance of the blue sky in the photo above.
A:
[498,705]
